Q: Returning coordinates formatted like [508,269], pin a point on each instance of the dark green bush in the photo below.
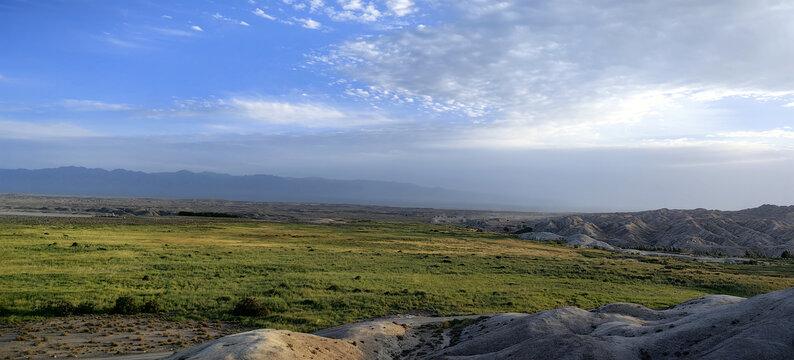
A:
[4,310]
[523,230]
[85,307]
[56,307]
[152,306]
[249,306]
[126,305]
[786,255]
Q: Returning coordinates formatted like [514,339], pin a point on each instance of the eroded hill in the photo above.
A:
[767,230]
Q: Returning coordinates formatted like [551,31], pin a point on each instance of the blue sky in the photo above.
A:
[565,104]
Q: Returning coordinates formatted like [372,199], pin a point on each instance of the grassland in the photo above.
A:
[317,276]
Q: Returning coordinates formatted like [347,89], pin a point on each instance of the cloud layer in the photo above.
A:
[521,67]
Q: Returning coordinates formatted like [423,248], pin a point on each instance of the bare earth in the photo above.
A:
[95,336]
[709,327]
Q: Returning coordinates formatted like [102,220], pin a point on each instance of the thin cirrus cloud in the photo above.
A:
[306,115]
[307,23]
[93,105]
[175,32]
[782,133]
[516,67]
[218,16]
[261,13]
[33,131]
[239,112]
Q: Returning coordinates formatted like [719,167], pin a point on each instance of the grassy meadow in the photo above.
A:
[316,276]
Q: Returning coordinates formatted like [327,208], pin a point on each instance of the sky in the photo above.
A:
[559,105]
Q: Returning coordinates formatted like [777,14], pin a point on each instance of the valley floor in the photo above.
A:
[316,276]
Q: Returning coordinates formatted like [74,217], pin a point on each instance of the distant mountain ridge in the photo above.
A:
[183,184]
[767,230]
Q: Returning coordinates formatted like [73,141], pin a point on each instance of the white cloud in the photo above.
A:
[119,42]
[354,10]
[301,114]
[791,104]
[26,130]
[167,17]
[315,5]
[172,32]
[382,13]
[261,13]
[93,105]
[218,16]
[517,64]
[197,28]
[780,133]
[401,7]
[308,23]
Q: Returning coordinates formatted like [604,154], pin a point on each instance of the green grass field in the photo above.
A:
[317,276]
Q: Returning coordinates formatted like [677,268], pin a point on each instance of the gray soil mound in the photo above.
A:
[709,327]
[575,240]
[586,241]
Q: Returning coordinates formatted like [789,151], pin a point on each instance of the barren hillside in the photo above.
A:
[767,230]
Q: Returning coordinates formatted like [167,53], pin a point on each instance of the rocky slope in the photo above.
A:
[767,230]
[710,327]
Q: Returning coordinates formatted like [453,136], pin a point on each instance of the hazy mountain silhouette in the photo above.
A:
[206,185]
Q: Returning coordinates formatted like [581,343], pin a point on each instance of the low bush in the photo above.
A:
[250,307]
[56,307]
[85,307]
[4,310]
[126,305]
[523,230]
[152,306]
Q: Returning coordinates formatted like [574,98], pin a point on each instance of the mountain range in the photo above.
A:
[79,181]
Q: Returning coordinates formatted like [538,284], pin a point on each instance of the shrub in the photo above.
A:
[249,306]
[85,307]
[786,255]
[126,305]
[152,306]
[4,310]
[56,307]
[523,230]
